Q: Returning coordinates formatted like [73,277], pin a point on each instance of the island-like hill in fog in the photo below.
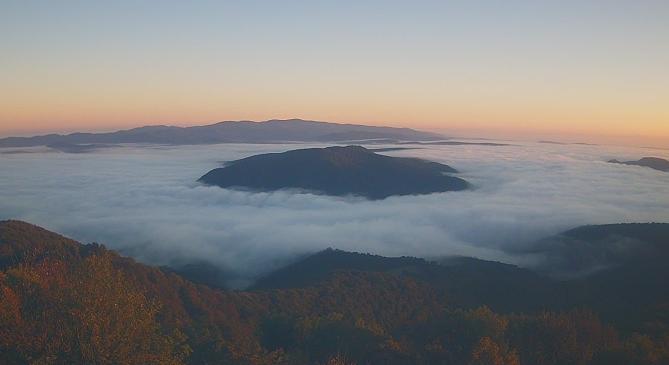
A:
[655,163]
[271,131]
[339,171]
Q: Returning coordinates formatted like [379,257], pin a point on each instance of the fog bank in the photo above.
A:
[145,202]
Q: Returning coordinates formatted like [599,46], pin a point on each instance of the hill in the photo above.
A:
[317,267]
[588,249]
[618,269]
[467,282]
[655,163]
[64,302]
[351,170]
[271,131]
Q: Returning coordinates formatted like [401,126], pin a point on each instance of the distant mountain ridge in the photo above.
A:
[290,130]
[351,170]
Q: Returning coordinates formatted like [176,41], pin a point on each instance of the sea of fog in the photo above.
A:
[145,202]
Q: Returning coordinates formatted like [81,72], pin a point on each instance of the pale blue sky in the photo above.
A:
[563,66]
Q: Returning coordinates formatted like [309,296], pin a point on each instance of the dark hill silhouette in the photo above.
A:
[588,249]
[629,284]
[624,264]
[351,170]
[291,130]
[317,267]
[655,163]
[466,281]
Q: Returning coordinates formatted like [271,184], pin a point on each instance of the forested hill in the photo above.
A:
[67,303]
[337,170]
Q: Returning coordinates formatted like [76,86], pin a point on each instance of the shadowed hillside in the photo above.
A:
[351,170]
[67,303]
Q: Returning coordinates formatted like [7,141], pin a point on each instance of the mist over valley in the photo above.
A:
[145,201]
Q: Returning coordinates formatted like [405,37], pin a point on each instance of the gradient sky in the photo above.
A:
[539,68]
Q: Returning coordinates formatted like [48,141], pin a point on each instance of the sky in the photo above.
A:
[594,70]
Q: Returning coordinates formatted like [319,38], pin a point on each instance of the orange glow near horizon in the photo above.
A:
[81,114]
[523,70]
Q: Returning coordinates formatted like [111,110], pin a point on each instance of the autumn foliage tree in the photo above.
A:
[66,303]
[87,313]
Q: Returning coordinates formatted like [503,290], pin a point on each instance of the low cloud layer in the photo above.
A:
[145,202]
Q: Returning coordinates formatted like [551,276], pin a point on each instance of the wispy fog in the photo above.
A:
[145,202]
